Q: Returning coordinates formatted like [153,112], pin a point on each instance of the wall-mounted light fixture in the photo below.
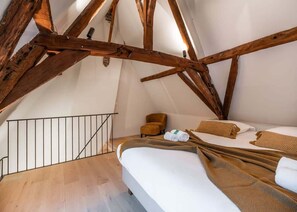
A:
[90,33]
[184,53]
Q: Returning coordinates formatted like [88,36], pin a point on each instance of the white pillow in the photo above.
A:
[243,127]
[290,131]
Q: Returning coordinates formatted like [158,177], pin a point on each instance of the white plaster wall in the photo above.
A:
[266,84]
[133,103]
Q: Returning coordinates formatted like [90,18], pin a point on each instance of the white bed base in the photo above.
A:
[146,201]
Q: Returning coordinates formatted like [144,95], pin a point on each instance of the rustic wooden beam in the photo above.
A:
[205,77]
[205,92]
[182,28]
[195,90]
[14,22]
[84,18]
[43,17]
[99,48]
[262,43]
[148,29]
[40,74]
[26,58]
[230,86]
[162,74]
[140,11]
[113,8]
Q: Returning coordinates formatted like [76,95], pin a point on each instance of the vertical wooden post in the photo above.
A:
[230,86]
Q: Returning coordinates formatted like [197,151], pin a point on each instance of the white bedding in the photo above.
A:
[176,180]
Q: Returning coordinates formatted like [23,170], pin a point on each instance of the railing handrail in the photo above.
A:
[1,161]
[61,117]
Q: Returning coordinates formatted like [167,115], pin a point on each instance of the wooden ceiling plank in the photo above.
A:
[140,10]
[162,74]
[149,25]
[14,22]
[99,48]
[26,58]
[230,86]
[43,72]
[195,90]
[43,17]
[276,39]
[84,18]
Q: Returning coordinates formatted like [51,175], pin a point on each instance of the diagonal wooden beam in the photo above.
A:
[14,22]
[162,74]
[40,74]
[149,23]
[140,10]
[99,48]
[43,17]
[84,18]
[195,90]
[230,86]
[113,8]
[191,51]
[26,58]
[276,39]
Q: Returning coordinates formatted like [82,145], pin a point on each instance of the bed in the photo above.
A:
[154,176]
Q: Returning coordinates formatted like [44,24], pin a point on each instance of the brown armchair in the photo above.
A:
[155,124]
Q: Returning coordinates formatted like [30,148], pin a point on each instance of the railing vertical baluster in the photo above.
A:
[65,139]
[26,144]
[43,137]
[85,133]
[78,137]
[35,143]
[107,140]
[96,135]
[72,135]
[51,132]
[58,140]
[8,142]
[17,146]
[101,136]
[91,135]
[112,133]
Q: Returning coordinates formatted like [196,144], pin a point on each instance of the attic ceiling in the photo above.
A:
[193,72]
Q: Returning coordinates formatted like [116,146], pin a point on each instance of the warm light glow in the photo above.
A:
[80,4]
[184,46]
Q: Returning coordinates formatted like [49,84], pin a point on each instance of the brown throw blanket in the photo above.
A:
[246,176]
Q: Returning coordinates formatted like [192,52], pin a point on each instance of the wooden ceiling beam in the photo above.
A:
[43,17]
[26,58]
[195,90]
[140,11]
[43,72]
[148,38]
[256,45]
[112,8]
[14,22]
[230,86]
[84,18]
[162,74]
[205,77]
[99,48]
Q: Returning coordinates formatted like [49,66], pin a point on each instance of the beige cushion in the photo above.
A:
[228,130]
[277,141]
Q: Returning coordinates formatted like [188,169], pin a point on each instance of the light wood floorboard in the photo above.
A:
[92,184]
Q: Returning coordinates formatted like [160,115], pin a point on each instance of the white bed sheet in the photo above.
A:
[176,180]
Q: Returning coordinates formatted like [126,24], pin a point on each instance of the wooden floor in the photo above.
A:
[92,184]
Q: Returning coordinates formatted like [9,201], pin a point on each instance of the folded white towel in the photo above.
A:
[182,136]
[287,163]
[170,136]
[287,178]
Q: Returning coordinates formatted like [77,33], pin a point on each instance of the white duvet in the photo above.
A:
[176,180]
